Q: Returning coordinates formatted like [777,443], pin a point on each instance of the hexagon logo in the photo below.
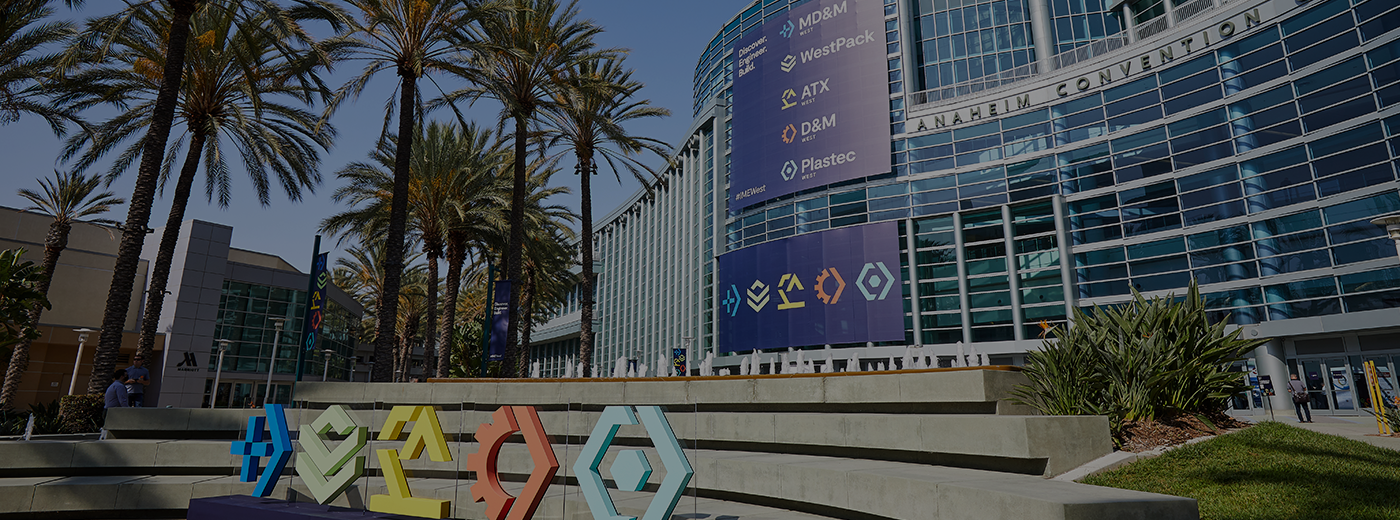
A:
[631,468]
[873,281]
[789,170]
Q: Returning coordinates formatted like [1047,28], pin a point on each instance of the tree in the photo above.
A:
[362,276]
[91,47]
[520,57]
[68,198]
[27,77]
[588,119]
[236,76]
[412,38]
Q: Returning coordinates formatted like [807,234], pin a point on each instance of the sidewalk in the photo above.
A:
[1362,428]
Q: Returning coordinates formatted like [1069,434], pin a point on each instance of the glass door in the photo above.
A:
[1329,382]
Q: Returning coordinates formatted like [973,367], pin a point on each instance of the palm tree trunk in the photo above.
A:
[160,271]
[456,256]
[527,315]
[139,209]
[394,239]
[54,244]
[515,244]
[430,352]
[585,188]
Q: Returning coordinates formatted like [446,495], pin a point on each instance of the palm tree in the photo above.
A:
[18,296]
[68,198]
[26,76]
[587,119]
[411,38]
[234,77]
[521,55]
[413,305]
[362,276]
[93,45]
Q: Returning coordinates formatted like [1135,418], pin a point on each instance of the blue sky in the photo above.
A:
[665,38]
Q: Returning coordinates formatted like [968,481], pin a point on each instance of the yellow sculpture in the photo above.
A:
[426,433]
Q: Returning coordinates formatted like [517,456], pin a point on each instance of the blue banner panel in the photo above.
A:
[316,304]
[810,100]
[500,320]
[837,286]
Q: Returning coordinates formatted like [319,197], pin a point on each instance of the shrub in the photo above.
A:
[1143,360]
[80,413]
[46,419]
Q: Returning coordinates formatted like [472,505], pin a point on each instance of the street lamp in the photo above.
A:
[272,361]
[1392,227]
[327,370]
[218,369]
[688,354]
[82,339]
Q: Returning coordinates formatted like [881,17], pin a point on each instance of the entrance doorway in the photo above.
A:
[1337,384]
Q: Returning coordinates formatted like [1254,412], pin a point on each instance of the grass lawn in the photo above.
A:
[1273,472]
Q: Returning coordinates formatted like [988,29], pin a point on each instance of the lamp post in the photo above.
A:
[1392,227]
[272,361]
[82,339]
[218,369]
[327,370]
[688,341]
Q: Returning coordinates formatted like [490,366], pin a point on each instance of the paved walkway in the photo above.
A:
[1362,428]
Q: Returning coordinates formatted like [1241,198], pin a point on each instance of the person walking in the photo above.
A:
[1299,391]
[138,377]
[116,392]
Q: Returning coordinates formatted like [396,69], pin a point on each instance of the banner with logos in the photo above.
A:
[315,303]
[810,100]
[500,320]
[837,286]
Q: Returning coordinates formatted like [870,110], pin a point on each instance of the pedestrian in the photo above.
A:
[116,392]
[1299,391]
[138,377]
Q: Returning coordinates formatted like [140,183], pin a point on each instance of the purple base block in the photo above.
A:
[244,507]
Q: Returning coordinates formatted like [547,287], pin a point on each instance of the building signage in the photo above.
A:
[1181,48]
[810,100]
[837,286]
[327,472]
[315,304]
[500,321]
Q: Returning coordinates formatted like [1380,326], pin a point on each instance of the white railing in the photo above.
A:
[985,84]
[1192,8]
[1087,52]
[1152,27]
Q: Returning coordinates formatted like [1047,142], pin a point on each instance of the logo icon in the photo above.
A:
[188,361]
[507,420]
[789,170]
[324,471]
[789,134]
[788,63]
[793,284]
[787,96]
[253,448]
[731,301]
[830,299]
[786,31]
[759,299]
[874,281]
[426,433]
[631,469]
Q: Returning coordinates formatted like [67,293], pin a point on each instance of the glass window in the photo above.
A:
[1369,207]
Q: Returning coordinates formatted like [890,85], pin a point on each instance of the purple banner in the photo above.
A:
[500,320]
[810,101]
[316,304]
[837,286]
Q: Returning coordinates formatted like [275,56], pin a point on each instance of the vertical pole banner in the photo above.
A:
[678,361]
[500,320]
[315,305]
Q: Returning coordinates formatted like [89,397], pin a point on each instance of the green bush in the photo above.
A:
[46,419]
[1142,360]
[81,413]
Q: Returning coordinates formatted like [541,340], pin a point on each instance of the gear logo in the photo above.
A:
[787,99]
[500,505]
[830,299]
[787,29]
[874,282]
[757,300]
[631,468]
[789,170]
[788,63]
[731,301]
[789,134]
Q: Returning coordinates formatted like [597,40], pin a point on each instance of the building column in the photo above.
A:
[1041,28]
[964,300]
[1269,360]
[1013,272]
[1067,275]
[913,258]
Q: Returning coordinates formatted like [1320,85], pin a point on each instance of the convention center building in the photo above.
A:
[1000,164]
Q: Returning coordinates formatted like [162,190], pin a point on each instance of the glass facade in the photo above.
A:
[965,40]
[247,314]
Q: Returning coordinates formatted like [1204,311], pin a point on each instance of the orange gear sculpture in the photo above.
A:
[500,505]
[821,290]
